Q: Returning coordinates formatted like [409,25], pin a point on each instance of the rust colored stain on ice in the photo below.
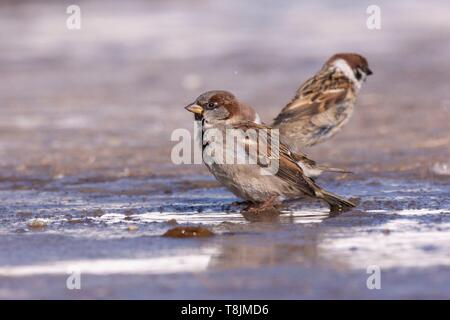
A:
[188,232]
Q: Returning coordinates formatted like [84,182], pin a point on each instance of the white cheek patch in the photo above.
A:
[347,71]
[257,119]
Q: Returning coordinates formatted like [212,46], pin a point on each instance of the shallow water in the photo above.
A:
[400,226]
[87,184]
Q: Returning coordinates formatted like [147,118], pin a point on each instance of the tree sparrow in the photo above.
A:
[221,111]
[324,103]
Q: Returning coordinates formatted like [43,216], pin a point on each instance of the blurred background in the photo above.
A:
[105,98]
[85,171]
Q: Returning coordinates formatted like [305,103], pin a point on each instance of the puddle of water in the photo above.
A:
[376,232]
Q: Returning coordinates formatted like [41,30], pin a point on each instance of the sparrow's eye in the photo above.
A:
[210,105]
[358,74]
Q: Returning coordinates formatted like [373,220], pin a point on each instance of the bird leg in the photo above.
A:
[261,206]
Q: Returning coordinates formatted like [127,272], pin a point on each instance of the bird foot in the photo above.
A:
[261,206]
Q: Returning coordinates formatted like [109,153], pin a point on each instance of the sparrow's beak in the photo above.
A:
[194,108]
[369,72]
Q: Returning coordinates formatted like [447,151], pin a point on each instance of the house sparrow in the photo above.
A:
[324,103]
[221,111]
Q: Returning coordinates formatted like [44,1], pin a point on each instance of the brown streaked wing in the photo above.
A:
[288,169]
[315,96]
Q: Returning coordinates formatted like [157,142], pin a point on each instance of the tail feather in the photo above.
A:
[336,203]
[313,170]
[331,169]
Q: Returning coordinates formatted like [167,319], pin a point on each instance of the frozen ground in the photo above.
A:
[86,181]
[401,226]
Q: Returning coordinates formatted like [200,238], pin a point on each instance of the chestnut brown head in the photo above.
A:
[219,105]
[353,65]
